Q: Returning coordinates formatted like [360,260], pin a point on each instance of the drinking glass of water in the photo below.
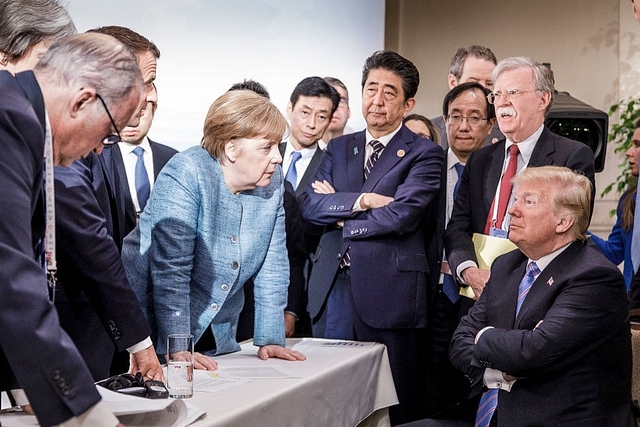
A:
[180,365]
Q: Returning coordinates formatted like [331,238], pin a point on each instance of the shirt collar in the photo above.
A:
[452,159]
[544,261]
[384,140]
[127,147]
[525,146]
[305,153]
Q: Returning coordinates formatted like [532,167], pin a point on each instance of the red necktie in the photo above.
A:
[505,190]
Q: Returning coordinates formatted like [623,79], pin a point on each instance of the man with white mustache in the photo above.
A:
[522,97]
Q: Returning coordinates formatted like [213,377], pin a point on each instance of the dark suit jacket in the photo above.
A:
[387,246]
[574,367]
[95,302]
[35,353]
[161,155]
[480,181]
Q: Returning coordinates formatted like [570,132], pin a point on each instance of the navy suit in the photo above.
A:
[95,302]
[35,353]
[389,267]
[480,181]
[161,155]
[575,366]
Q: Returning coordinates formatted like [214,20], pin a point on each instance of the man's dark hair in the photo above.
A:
[315,87]
[132,40]
[464,87]
[397,64]
[251,85]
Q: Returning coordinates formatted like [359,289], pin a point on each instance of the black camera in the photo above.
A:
[135,385]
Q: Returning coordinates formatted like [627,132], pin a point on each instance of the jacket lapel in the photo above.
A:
[551,276]
[354,155]
[395,150]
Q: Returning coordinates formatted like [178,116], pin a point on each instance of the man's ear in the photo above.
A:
[289,110]
[81,100]
[564,224]
[408,105]
[452,81]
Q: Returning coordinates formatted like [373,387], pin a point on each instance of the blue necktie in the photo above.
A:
[143,188]
[449,286]
[292,174]
[489,400]
[459,168]
[527,282]
[635,237]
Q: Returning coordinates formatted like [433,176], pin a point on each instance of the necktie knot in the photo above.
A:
[514,150]
[376,145]
[526,283]
[292,173]
[373,158]
[532,269]
[138,151]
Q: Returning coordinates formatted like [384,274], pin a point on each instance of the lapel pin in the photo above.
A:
[355,151]
[401,153]
[550,281]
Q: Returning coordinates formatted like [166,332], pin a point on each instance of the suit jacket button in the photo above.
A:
[224,287]
[234,265]
[234,239]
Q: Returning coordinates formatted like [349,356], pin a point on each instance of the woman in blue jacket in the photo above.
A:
[214,220]
[617,247]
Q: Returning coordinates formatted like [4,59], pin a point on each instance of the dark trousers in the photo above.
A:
[447,385]
[408,355]
[336,319]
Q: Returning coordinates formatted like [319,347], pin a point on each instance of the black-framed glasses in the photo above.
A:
[112,138]
[509,95]
[456,119]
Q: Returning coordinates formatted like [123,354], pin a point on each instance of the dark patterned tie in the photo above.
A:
[377,148]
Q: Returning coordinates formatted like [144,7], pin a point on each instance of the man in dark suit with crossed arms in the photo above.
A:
[549,335]
[372,191]
[522,97]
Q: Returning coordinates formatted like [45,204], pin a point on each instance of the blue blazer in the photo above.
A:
[387,246]
[617,247]
[197,243]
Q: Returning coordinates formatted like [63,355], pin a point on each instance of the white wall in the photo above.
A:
[207,45]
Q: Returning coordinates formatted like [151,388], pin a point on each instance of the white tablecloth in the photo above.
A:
[341,383]
[338,385]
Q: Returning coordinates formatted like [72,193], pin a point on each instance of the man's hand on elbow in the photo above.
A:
[374,200]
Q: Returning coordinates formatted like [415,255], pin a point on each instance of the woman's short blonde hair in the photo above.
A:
[241,114]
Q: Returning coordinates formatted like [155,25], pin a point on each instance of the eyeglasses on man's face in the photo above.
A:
[509,95]
[112,138]
[456,119]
